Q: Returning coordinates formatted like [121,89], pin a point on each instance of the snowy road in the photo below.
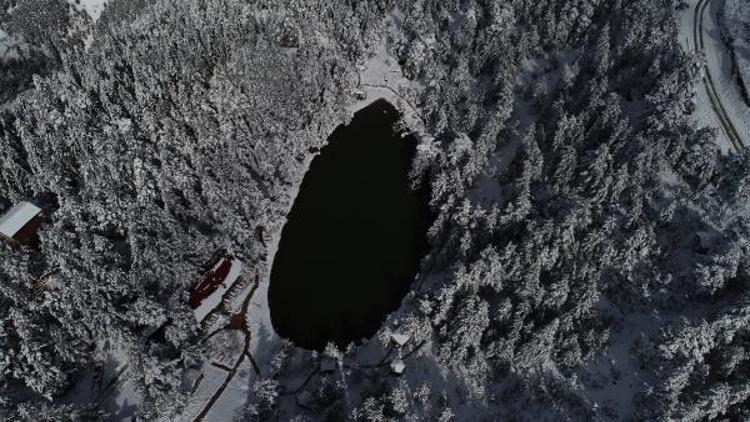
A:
[719,102]
[700,46]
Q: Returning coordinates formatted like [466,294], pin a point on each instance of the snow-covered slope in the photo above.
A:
[93,8]
[719,100]
[735,26]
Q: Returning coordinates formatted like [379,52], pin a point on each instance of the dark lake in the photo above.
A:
[354,237]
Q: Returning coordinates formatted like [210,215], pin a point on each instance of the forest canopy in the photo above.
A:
[588,258]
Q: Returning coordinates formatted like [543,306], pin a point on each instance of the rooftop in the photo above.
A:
[17,217]
[399,339]
[209,293]
[398,366]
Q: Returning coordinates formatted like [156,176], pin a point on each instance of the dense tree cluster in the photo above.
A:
[174,136]
[33,35]
[571,191]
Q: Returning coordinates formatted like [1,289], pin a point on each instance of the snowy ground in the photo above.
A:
[93,8]
[613,379]
[11,46]
[381,77]
[735,21]
[109,387]
[719,65]
[207,385]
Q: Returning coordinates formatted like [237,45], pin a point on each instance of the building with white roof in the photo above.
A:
[397,366]
[21,222]
[399,339]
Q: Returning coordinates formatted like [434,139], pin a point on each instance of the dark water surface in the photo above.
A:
[355,235]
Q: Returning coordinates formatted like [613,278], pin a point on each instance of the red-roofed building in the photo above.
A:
[209,293]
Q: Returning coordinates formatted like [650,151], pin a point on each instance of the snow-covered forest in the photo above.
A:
[589,255]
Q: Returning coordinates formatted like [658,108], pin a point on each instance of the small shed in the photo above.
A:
[398,367]
[210,291]
[360,95]
[399,339]
[21,223]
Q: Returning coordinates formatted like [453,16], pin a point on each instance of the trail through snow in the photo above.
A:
[719,101]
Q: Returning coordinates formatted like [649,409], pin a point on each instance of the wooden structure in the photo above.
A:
[21,223]
[210,291]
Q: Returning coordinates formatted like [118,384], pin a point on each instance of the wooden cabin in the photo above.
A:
[21,223]
[215,284]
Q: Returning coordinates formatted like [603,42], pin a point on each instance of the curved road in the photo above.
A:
[726,123]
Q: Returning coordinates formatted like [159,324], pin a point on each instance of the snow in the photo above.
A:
[11,46]
[381,77]
[212,379]
[398,367]
[719,63]
[93,8]
[736,26]
[191,378]
[264,341]
[17,217]
[115,392]
[615,377]
[234,396]
[400,339]
[214,299]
